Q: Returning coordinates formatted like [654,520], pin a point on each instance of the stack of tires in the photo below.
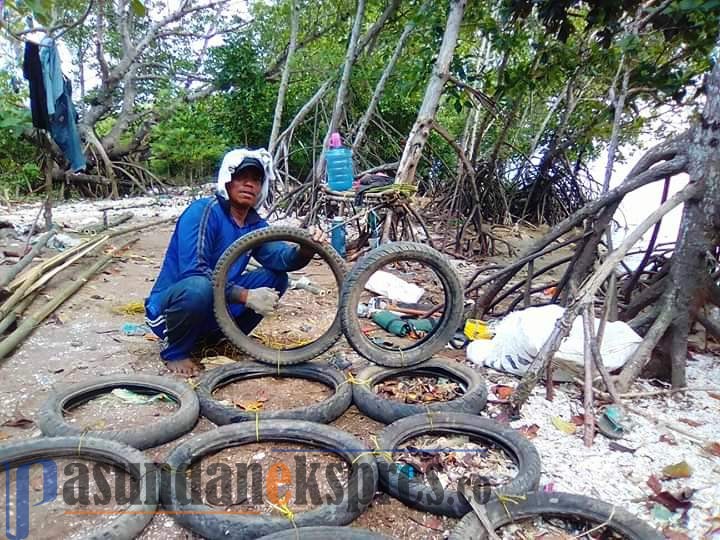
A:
[369,469]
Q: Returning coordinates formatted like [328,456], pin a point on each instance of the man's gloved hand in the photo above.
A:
[262,300]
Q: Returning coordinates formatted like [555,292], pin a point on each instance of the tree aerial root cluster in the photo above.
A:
[662,298]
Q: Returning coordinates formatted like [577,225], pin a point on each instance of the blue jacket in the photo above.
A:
[202,234]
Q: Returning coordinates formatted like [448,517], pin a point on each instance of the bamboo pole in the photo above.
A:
[39,277]
[52,261]
[11,317]
[47,277]
[32,273]
[142,227]
[33,321]
[22,263]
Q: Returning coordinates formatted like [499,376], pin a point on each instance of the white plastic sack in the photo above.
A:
[520,336]
[392,287]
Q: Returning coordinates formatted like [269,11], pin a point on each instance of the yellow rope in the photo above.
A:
[386,455]
[351,379]
[504,499]
[131,308]
[429,415]
[82,438]
[284,509]
[255,407]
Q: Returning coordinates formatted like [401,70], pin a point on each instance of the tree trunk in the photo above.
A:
[341,96]
[699,229]
[380,87]
[423,124]
[363,42]
[285,80]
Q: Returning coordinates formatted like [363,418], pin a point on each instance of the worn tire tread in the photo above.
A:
[247,344]
[323,412]
[199,517]
[419,495]
[375,260]
[165,429]
[559,505]
[387,411]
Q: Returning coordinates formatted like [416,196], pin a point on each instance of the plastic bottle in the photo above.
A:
[337,236]
[338,160]
[374,227]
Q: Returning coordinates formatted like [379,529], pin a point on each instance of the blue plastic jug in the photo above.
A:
[338,160]
[338,236]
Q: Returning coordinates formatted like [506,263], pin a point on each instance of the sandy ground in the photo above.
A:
[84,339]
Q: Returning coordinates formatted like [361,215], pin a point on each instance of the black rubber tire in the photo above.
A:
[135,518]
[418,494]
[325,533]
[166,429]
[387,411]
[434,342]
[200,518]
[323,412]
[562,505]
[246,343]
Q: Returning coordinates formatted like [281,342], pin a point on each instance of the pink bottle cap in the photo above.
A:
[335,140]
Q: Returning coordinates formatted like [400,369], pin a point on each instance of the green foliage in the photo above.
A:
[18,167]
[188,144]
[244,114]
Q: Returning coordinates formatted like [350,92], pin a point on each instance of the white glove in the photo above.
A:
[262,300]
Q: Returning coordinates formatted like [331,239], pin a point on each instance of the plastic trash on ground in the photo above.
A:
[520,336]
[133,398]
[134,329]
[394,288]
[477,329]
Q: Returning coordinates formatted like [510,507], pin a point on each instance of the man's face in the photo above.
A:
[244,187]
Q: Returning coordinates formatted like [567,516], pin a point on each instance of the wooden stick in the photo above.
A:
[22,263]
[549,384]
[107,223]
[528,284]
[589,429]
[32,230]
[30,323]
[600,366]
[480,512]
[421,221]
[385,235]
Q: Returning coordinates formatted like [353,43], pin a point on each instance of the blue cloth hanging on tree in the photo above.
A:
[61,111]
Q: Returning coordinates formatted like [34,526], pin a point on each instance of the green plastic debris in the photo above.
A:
[660,513]
[401,327]
[128,396]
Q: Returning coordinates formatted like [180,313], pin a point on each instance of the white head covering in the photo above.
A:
[233,158]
